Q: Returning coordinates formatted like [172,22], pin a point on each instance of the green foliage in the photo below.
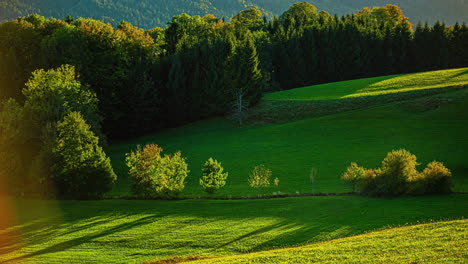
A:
[13,147]
[250,18]
[300,12]
[353,175]
[142,165]
[148,13]
[434,179]
[398,168]
[398,176]
[276,182]
[171,174]
[30,134]
[155,176]
[259,177]
[213,177]
[80,167]
[53,94]
[389,14]
[199,67]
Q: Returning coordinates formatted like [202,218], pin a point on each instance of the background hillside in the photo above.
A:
[150,13]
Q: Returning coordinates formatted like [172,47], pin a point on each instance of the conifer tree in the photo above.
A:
[213,176]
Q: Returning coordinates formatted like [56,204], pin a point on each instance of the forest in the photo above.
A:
[147,14]
[197,66]
[127,82]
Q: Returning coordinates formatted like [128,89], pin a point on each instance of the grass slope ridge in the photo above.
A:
[433,127]
[151,13]
[376,86]
[441,242]
[117,231]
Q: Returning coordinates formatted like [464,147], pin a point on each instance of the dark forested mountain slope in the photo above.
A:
[150,13]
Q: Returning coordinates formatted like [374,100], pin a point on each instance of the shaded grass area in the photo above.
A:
[433,127]
[116,231]
[376,86]
[441,242]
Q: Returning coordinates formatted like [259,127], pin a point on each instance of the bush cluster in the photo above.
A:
[398,176]
[154,175]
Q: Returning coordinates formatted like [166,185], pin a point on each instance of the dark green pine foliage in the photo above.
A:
[458,50]
[197,66]
[422,47]
[440,46]
[243,77]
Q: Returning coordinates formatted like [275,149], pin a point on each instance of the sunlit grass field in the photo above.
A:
[434,126]
[442,242]
[328,144]
[119,231]
[376,86]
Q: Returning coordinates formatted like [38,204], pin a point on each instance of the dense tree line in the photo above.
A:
[203,66]
[150,13]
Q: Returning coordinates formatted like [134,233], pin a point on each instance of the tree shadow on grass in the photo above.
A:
[265,229]
[85,239]
[306,235]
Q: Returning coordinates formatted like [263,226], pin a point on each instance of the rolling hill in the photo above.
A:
[324,134]
[431,122]
[151,13]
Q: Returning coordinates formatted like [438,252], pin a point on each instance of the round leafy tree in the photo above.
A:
[80,167]
[153,175]
[213,177]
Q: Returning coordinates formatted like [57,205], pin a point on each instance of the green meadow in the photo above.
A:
[433,127]
[443,242]
[335,229]
[376,86]
[125,231]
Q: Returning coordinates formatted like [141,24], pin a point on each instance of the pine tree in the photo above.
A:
[213,176]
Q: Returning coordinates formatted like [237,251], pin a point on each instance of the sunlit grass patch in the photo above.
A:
[376,86]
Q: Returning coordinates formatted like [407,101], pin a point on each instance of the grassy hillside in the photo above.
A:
[151,13]
[443,242]
[376,86]
[116,231]
[432,127]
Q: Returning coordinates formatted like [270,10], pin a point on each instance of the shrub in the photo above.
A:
[153,175]
[398,175]
[171,174]
[260,177]
[80,167]
[276,181]
[353,175]
[213,177]
[142,164]
[398,168]
[436,178]
[368,184]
